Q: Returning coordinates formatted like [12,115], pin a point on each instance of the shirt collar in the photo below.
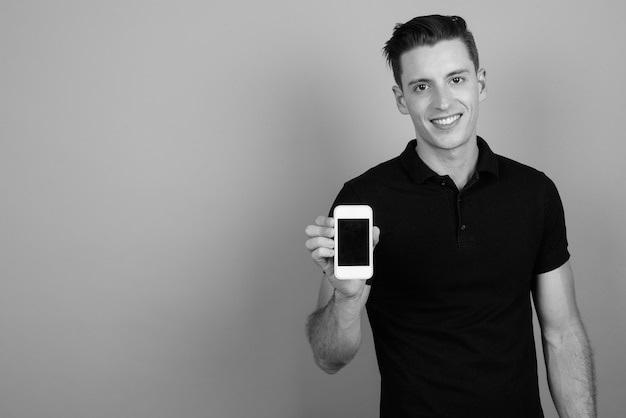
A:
[413,164]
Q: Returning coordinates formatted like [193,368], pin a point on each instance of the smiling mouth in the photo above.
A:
[443,122]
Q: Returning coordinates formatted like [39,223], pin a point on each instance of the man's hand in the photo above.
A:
[321,245]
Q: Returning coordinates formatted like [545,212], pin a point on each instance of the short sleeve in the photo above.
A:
[346,196]
[553,252]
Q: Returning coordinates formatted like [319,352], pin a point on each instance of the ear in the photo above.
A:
[482,84]
[400,100]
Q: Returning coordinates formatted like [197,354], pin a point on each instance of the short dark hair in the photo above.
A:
[426,30]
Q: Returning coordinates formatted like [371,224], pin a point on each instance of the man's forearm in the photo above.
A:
[571,373]
[334,332]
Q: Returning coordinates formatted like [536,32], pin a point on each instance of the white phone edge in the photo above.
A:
[355,272]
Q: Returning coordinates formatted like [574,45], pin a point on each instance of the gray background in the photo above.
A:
[159,161]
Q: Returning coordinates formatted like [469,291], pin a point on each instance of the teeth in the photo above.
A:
[446,121]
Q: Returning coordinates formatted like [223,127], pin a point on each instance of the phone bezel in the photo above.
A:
[363,272]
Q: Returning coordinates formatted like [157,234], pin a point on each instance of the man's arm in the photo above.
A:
[334,329]
[567,352]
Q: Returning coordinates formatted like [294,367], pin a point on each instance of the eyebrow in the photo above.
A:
[450,74]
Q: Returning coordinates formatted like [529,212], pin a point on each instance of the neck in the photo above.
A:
[457,163]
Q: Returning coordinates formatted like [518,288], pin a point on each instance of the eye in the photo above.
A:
[421,87]
[457,80]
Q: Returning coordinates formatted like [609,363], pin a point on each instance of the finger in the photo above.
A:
[376,235]
[320,255]
[318,242]
[319,231]
[325,221]
[326,265]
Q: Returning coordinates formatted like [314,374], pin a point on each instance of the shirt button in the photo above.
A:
[463,227]
[443,182]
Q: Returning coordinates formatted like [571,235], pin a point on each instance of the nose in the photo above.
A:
[442,98]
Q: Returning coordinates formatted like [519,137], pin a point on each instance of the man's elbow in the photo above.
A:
[573,333]
[330,367]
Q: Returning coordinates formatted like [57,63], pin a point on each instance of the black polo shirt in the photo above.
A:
[450,304]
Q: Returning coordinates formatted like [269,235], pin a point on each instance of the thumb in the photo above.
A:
[376,235]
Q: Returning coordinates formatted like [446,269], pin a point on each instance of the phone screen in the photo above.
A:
[353,242]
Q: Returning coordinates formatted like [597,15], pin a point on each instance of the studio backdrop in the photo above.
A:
[160,160]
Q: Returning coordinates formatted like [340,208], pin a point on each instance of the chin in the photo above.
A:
[451,142]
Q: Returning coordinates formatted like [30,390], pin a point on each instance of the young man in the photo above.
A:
[463,238]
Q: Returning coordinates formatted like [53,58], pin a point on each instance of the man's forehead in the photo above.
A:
[439,56]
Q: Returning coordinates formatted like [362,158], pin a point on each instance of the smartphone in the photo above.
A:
[354,247]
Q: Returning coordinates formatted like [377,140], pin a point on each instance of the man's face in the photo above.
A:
[441,91]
